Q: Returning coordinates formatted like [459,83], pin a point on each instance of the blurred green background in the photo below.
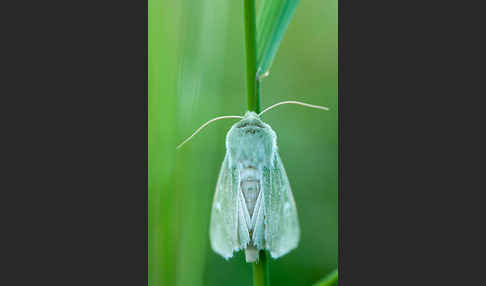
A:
[196,71]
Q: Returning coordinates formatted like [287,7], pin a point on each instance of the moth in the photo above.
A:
[253,205]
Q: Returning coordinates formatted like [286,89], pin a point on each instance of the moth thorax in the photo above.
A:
[250,187]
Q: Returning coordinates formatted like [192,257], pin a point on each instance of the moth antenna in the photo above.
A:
[293,102]
[206,124]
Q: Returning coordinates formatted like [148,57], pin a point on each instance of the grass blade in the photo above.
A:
[329,280]
[272,21]
[162,105]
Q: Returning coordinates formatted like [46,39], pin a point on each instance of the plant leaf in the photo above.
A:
[330,279]
[272,21]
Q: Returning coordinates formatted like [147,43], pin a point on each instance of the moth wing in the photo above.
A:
[282,232]
[224,214]
[258,222]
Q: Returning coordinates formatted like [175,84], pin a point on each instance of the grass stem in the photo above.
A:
[261,272]
[260,269]
[329,280]
[252,91]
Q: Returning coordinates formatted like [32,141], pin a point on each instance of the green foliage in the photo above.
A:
[272,21]
[329,280]
[161,109]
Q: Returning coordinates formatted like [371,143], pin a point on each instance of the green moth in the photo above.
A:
[253,206]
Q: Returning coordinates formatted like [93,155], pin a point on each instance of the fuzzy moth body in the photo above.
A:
[253,206]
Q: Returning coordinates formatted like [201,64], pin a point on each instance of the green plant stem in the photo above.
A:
[261,270]
[252,91]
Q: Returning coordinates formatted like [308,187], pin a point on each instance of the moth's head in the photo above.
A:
[251,137]
[251,124]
